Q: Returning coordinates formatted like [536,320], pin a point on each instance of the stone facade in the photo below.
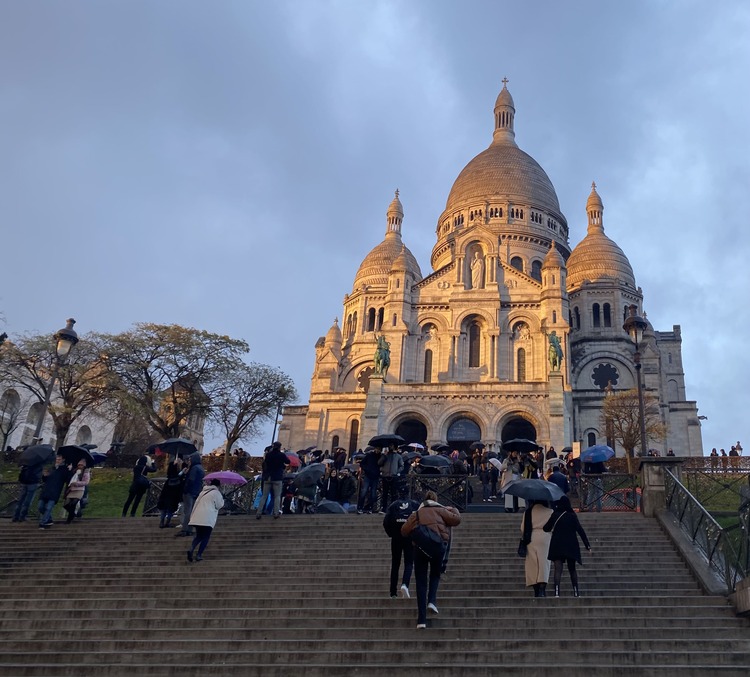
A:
[472,345]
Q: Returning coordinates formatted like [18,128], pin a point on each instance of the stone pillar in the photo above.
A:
[371,414]
[653,496]
[556,410]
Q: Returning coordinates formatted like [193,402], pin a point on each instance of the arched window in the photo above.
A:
[607,315]
[517,263]
[348,329]
[354,322]
[371,319]
[395,319]
[597,319]
[398,284]
[428,366]
[474,344]
[334,443]
[83,436]
[577,314]
[36,411]
[554,317]
[353,437]
[521,364]
[381,314]
[591,439]
[536,270]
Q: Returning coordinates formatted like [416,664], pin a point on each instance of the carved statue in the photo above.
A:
[382,357]
[477,271]
[555,352]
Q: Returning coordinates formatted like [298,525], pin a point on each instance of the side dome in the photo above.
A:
[377,265]
[596,257]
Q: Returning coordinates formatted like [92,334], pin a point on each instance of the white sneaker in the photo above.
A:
[404,592]
[421,626]
[433,608]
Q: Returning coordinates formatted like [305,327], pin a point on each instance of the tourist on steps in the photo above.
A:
[139,485]
[565,529]
[396,515]
[537,546]
[440,519]
[203,518]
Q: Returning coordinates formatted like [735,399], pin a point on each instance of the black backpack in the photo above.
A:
[397,517]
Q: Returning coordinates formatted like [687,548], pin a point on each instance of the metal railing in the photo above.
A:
[609,492]
[729,563]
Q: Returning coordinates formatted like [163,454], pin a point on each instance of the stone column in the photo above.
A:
[556,410]
[371,414]
[653,497]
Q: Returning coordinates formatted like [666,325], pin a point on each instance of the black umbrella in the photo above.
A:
[534,490]
[435,461]
[176,446]
[381,441]
[476,445]
[491,454]
[72,453]
[358,456]
[330,507]
[520,445]
[411,455]
[310,475]
[567,450]
[440,447]
[36,454]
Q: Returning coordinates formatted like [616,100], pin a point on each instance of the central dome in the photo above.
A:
[504,171]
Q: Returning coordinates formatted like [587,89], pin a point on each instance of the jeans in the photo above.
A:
[134,496]
[45,510]
[401,546]
[268,487]
[368,499]
[24,501]
[426,590]
[390,491]
[188,500]
[202,536]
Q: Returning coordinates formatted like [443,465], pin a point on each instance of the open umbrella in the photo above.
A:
[36,454]
[496,463]
[98,456]
[330,507]
[597,454]
[358,456]
[435,461]
[491,454]
[381,441]
[176,446]
[519,444]
[534,490]
[476,445]
[416,446]
[72,453]
[411,455]
[309,475]
[226,477]
[293,459]
[440,447]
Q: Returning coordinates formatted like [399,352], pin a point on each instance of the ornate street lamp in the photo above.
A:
[281,395]
[66,338]
[635,326]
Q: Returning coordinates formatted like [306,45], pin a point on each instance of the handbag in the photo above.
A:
[428,541]
[522,549]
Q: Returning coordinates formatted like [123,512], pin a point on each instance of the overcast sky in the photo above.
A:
[228,165]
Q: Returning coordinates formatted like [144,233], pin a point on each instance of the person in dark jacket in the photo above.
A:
[439,519]
[273,476]
[54,483]
[171,492]
[563,546]
[557,477]
[29,477]
[139,485]
[370,475]
[391,465]
[190,490]
[395,517]
[347,488]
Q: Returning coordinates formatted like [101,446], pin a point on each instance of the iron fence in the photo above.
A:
[609,492]
[713,541]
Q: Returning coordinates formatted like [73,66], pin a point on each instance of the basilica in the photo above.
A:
[510,334]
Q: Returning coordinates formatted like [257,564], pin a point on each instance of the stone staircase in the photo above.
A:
[308,595]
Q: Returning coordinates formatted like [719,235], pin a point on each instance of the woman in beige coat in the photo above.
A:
[537,546]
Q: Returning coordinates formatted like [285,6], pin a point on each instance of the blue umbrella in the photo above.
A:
[599,453]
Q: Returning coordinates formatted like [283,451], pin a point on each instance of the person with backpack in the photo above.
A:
[139,485]
[30,477]
[396,516]
[430,530]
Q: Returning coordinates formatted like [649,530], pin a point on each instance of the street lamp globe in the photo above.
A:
[635,325]
[66,339]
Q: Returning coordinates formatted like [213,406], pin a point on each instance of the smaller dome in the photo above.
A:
[554,258]
[333,337]
[594,201]
[378,264]
[504,98]
[396,208]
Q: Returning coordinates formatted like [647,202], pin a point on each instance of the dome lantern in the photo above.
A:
[595,210]
[394,215]
[505,111]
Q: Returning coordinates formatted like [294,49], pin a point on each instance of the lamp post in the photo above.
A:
[66,338]
[280,397]
[635,326]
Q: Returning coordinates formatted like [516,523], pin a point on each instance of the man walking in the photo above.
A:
[54,483]
[370,469]
[391,468]
[191,490]
[273,475]
[29,477]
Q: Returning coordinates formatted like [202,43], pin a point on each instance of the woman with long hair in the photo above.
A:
[565,529]
[537,546]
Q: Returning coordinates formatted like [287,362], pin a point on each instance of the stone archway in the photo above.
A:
[462,432]
[518,428]
[412,430]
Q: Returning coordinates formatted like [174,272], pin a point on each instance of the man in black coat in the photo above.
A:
[370,469]
[395,517]
[557,477]
[30,477]
[54,483]
[273,474]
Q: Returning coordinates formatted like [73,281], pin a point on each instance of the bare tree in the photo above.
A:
[249,396]
[11,407]
[620,415]
[81,385]
[166,374]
